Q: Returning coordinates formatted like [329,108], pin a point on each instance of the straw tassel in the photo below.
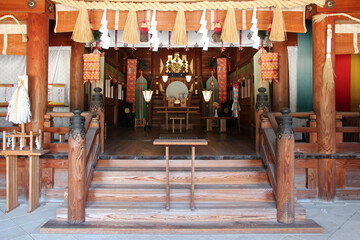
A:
[278,26]
[229,32]
[82,30]
[131,29]
[179,37]
[328,71]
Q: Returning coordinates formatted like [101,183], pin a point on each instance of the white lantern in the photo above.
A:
[147,95]
[165,78]
[207,95]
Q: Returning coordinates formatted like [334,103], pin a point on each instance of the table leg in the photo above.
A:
[34,190]
[187,120]
[208,125]
[173,125]
[167,121]
[192,178]
[180,125]
[167,178]
[11,183]
[222,125]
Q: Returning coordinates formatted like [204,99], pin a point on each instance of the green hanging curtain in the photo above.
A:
[213,85]
[140,104]
[304,69]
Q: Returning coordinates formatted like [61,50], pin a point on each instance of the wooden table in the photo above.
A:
[173,122]
[11,177]
[180,142]
[186,110]
[210,120]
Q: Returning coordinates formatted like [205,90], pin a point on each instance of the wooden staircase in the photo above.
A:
[231,196]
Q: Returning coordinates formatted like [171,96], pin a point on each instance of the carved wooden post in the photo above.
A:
[97,106]
[77,169]
[48,122]
[285,168]
[262,106]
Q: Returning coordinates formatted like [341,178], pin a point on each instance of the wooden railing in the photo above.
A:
[307,155]
[50,131]
[277,150]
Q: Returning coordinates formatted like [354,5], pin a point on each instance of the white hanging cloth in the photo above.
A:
[19,106]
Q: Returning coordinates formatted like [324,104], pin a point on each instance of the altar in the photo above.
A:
[176,111]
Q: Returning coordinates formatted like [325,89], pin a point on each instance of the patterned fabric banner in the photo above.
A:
[91,67]
[270,67]
[222,79]
[131,81]
[236,107]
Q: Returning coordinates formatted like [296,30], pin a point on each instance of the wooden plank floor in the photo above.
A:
[136,142]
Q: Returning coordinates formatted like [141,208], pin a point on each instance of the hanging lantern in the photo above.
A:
[144,32]
[217,32]
[269,67]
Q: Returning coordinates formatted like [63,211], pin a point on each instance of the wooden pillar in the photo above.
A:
[77,169]
[76,76]
[285,169]
[37,67]
[324,108]
[281,89]
[97,106]
[262,106]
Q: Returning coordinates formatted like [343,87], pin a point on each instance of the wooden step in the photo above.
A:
[182,195]
[180,177]
[258,212]
[178,163]
[101,227]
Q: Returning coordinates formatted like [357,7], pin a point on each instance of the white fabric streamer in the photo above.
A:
[37,143]
[19,106]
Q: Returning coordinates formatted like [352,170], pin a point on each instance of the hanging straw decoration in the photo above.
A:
[229,33]
[179,37]
[131,29]
[82,31]
[278,26]
[328,72]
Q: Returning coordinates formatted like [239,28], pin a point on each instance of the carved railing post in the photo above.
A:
[285,168]
[76,169]
[262,106]
[97,106]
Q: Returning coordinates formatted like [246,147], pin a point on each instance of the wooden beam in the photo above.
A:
[24,6]
[324,108]
[37,67]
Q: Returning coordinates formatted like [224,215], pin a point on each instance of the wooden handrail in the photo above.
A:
[65,114]
[88,120]
[273,121]
[349,114]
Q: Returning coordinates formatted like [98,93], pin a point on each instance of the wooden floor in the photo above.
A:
[136,142]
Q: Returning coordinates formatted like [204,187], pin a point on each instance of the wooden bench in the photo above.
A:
[173,122]
[180,142]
